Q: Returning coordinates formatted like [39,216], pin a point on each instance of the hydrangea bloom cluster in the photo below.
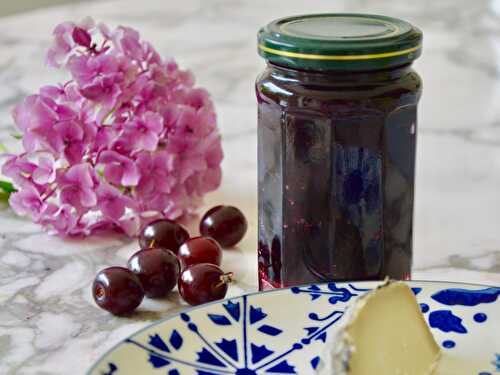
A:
[127,139]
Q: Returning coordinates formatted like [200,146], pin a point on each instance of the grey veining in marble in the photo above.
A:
[48,322]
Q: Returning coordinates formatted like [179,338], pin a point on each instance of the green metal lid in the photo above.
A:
[340,41]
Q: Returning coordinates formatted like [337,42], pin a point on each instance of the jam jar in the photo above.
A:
[337,125]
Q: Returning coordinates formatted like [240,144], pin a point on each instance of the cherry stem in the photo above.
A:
[152,244]
[225,279]
[99,292]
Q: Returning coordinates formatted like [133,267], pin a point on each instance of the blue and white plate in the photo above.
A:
[284,331]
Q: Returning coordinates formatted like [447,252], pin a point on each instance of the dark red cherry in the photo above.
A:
[200,250]
[157,269]
[226,224]
[202,283]
[117,290]
[163,233]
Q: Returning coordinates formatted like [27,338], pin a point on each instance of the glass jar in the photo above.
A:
[337,107]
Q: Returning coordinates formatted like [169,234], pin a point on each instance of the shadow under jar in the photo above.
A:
[337,107]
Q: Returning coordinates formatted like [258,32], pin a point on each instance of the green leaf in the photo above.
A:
[17,136]
[7,187]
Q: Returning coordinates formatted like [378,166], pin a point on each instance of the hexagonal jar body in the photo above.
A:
[337,135]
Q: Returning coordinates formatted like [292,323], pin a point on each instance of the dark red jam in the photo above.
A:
[336,174]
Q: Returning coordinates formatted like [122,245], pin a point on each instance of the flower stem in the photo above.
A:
[4,197]
[108,115]
[49,194]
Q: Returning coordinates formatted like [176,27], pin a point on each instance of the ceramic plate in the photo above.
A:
[284,331]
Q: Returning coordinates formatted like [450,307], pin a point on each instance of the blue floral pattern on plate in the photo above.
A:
[284,331]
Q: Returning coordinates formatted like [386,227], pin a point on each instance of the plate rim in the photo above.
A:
[199,307]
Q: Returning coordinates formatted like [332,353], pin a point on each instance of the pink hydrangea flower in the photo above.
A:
[119,169]
[19,168]
[127,139]
[145,131]
[161,181]
[67,35]
[27,201]
[45,171]
[77,187]
[127,40]
[112,202]
[101,78]
[60,219]
[69,141]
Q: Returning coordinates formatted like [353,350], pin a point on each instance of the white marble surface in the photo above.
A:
[48,322]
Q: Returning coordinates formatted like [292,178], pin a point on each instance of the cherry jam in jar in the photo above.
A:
[337,109]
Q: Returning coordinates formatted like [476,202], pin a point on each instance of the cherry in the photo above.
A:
[163,233]
[157,269]
[200,250]
[226,224]
[117,290]
[202,283]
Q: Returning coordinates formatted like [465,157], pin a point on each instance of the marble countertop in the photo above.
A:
[48,321]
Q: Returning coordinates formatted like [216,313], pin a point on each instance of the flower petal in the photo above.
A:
[113,173]
[131,174]
[80,175]
[88,198]
[27,201]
